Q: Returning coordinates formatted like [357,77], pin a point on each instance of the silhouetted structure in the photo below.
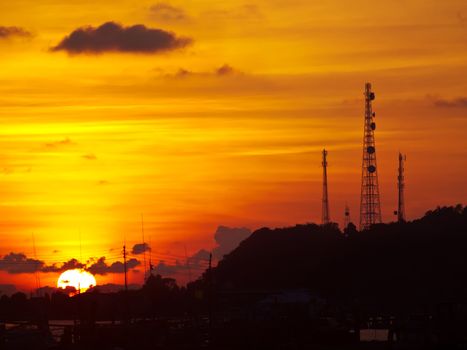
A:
[325,219]
[401,189]
[370,208]
[346,216]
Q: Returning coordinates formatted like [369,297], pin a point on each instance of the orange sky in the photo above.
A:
[89,142]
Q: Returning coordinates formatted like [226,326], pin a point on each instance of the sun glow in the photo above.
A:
[79,279]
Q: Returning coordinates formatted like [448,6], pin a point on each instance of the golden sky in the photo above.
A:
[226,129]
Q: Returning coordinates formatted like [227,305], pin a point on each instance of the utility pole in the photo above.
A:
[144,248]
[210,292]
[127,310]
[325,219]
[124,268]
[370,208]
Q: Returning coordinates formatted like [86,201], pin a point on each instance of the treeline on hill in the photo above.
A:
[390,265]
[389,268]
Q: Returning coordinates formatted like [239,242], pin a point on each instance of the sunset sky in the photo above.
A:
[220,121]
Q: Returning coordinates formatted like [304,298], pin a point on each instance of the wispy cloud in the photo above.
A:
[8,32]
[460,102]
[90,156]
[168,13]
[64,142]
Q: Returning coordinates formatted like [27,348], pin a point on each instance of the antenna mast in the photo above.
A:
[370,208]
[124,267]
[38,278]
[144,247]
[400,187]
[325,206]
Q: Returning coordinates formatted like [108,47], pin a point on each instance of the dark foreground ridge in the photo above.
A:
[301,287]
[389,266]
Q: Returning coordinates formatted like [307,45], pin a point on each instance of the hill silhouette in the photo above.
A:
[390,266]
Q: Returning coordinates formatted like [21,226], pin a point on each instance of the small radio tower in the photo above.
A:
[400,187]
[346,216]
[370,208]
[325,209]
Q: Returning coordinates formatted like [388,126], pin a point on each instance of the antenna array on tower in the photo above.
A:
[370,208]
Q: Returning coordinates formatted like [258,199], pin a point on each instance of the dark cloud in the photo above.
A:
[90,156]
[163,269]
[113,37]
[68,265]
[199,258]
[193,265]
[8,32]
[167,13]
[100,267]
[140,248]
[7,289]
[16,263]
[228,239]
[460,102]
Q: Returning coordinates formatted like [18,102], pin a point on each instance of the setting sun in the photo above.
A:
[79,279]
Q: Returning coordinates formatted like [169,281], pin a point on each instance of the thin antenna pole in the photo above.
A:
[325,209]
[144,247]
[401,189]
[210,291]
[127,310]
[38,278]
[124,268]
[150,256]
[187,264]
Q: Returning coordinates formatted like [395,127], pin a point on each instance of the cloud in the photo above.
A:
[90,156]
[8,32]
[113,37]
[100,267]
[16,263]
[228,239]
[140,248]
[64,142]
[225,70]
[167,13]
[7,289]
[68,265]
[244,12]
[222,71]
[199,258]
[460,102]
